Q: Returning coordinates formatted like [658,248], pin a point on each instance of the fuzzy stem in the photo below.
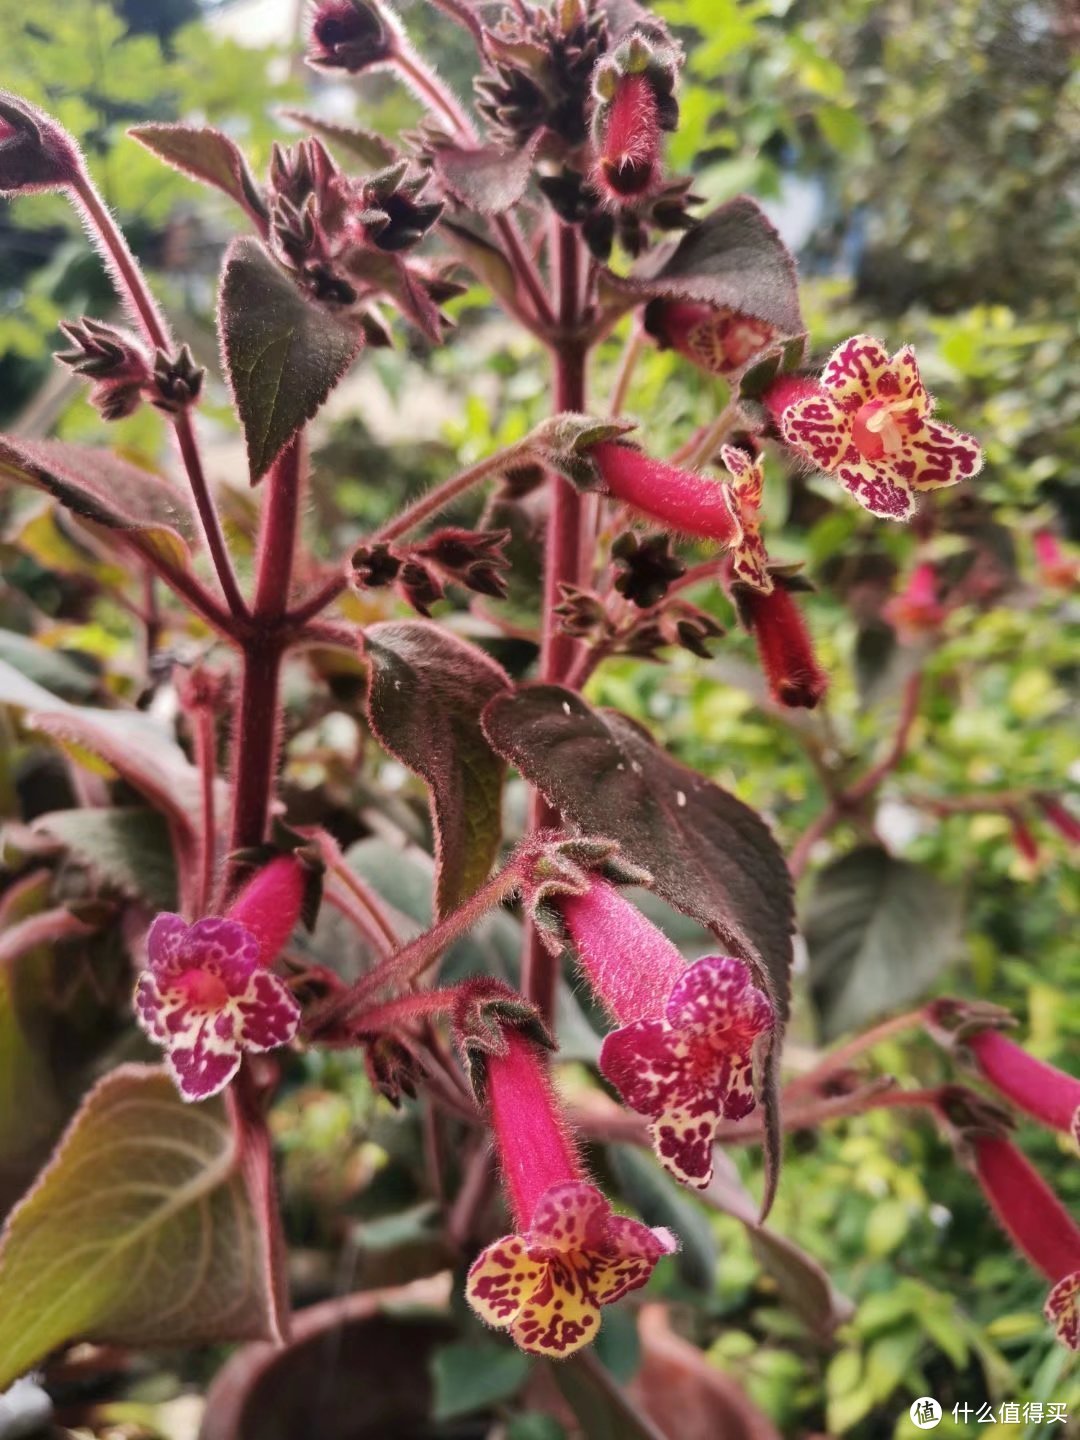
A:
[417,1006]
[183,583]
[632,351]
[205,760]
[534,1145]
[440,495]
[211,521]
[257,728]
[407,965]
[840,1058]
[702,446]
[46,928]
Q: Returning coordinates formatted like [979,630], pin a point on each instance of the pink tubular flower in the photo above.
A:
[683,1053]
[1056,569]
[784,647]
[917,610]
[1041,1091]
[749,562]
[206,994]
[868,423]
[572,1254]
[629,145]
[1038,1225]
[678,499]
[715,338]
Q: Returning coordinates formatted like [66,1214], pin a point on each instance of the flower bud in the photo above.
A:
[1057,570]
[629,139]
[784,646]
[718,340]
[35,152]
[678,499]
[113,359]
[271,903]
[917,610]
[350,35]
[1041,1091]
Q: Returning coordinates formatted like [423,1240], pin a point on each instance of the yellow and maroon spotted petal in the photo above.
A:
[648,1065]
[632,1252]
[750,562]
[746,473]
[853,370]
[560,1316]
[267,1011]
[500,1280]
[683,1141]
[568,1217]
[1063,1310]
[902,381]
[818,428]
[877,486]
[943,456]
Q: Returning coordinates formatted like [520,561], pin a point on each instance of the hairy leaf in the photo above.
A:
[370,149]
[425,696]
[489,180]
[205,154]
[878,930]
[709,854]
[139,1232]
[486,261]
[99,486]
[284,353]
[57,671]
[733,258]
[127,848]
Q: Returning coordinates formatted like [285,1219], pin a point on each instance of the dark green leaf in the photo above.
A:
[709,854]
[488,180]
[205,154]
[284,352]
[426,692]
[474,1375]
[879,931]
[605,1411]
[364,145]
[128,849]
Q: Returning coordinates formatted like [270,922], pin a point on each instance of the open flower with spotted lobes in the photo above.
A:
[571,1254]
[684,1051]
[206,995]
[868,423]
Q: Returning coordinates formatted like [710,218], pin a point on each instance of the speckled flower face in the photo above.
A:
[547,1287]
[749,560]
[1063,1310]
[868,424]
[694,1066]
[205,997]
[717,339]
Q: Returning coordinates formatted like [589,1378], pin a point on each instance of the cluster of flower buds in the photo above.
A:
[345,237]
[421,570]
[208,994]
[123,373]
[667,624]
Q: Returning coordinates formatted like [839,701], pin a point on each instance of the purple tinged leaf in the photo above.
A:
[139,1184]
[710,855]
[372,150]
[486,261]
[97,485]
[426,693]
[206,155]
[284,353]
[733,258]
[488,180]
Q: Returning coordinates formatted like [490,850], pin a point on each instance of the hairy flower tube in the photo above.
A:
[206,995]
[1041,1091]
[713,337]
[1038,1224]
[868,423]
[571,1254]
[629,139]
[677,499]
[784,646]
[684,1050]
[917,610]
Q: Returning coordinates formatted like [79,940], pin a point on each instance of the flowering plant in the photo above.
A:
[553,194]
